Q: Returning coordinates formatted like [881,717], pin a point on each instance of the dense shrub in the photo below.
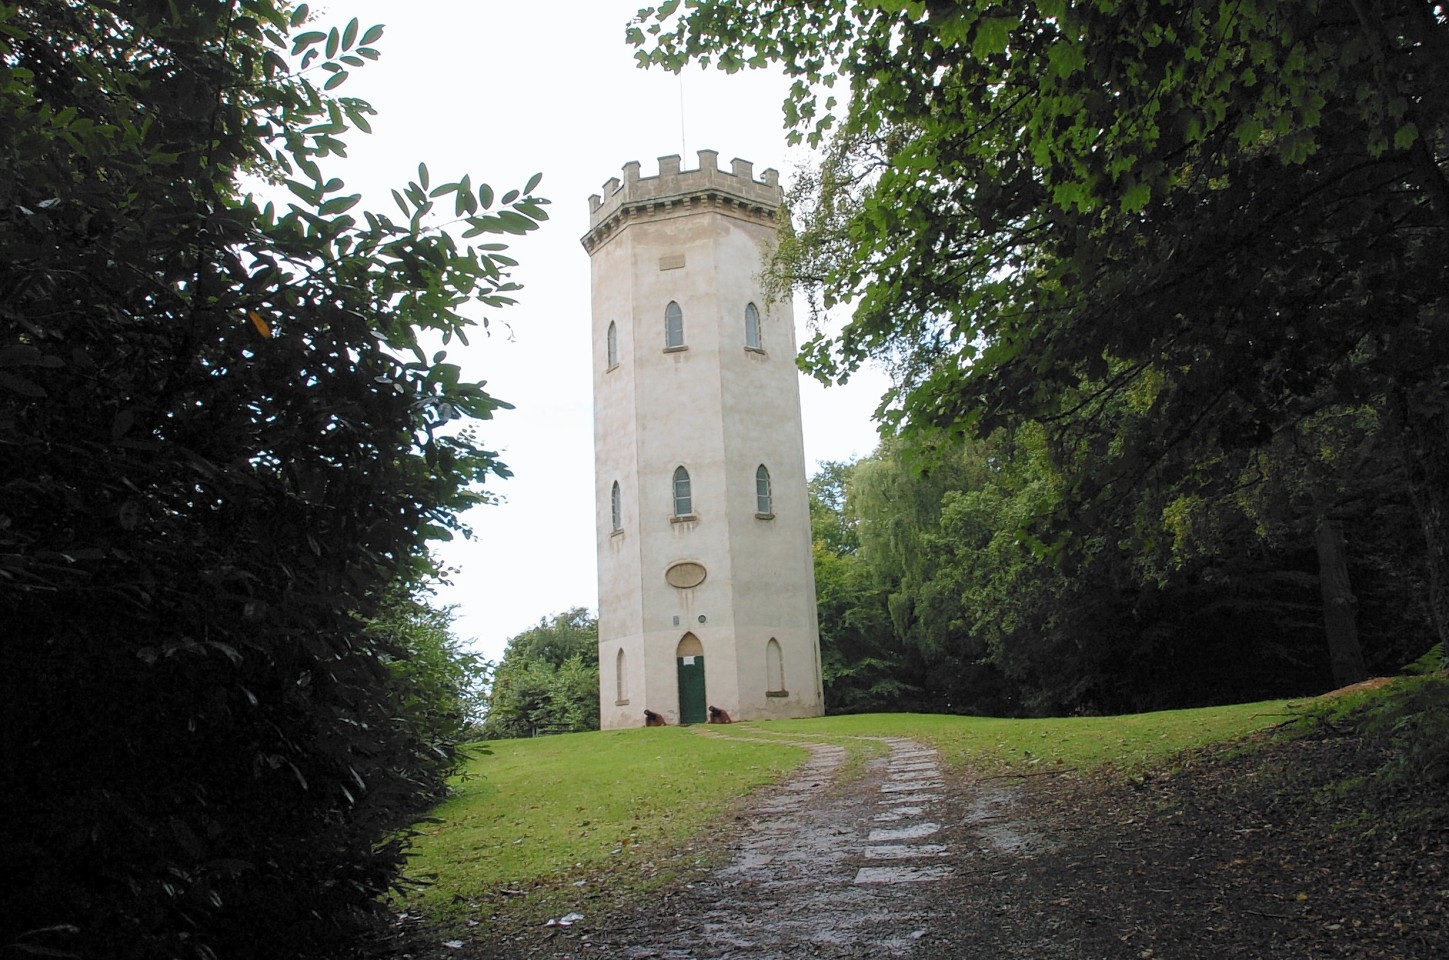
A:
[219,456]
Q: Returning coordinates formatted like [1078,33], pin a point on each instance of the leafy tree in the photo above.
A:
[862,662]
[223,447]
[573,633]
[1223,608]
[445,684]
[548,680]
[1233,212]
[1330,482]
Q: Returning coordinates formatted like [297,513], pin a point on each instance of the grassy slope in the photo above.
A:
[538,816]
[992,745]
[548,825]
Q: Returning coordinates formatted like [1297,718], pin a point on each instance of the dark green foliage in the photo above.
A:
[1406,724]
[940,590]
[1169,234]
[1429,664]
[557,639]
[445,684]
[548,680]
[219,456]
[862,666]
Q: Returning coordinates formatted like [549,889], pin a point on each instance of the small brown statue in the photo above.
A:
[716,715]
[652,719]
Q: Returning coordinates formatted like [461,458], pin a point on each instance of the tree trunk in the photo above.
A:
[1340,606]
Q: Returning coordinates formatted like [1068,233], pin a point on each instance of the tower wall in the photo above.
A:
[718,408]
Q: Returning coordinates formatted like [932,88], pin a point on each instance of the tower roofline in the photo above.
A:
[735,190]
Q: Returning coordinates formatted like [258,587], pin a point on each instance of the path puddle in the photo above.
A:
[912,785]
[901,874]
[919,851]
[912,798]
[915,831]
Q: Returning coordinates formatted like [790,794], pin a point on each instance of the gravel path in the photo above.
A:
[1233,856]
[820,870]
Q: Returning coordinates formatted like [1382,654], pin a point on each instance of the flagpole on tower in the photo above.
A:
[683,141]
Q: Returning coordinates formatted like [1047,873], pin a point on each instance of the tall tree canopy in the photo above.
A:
[863,666]
[548,680]
[1164,231]
[937,601]
[224,448]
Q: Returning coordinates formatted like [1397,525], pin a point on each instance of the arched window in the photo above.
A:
[616,509]
[683,501]
[774,669]
[752,327]
[673,326]
[621,679]
[613,341]
[764,503]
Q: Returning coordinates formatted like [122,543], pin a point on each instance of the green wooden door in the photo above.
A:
[692,703]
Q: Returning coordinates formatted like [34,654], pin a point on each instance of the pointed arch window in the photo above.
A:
[621,679]
[775,670]
[764,501]
[613,345]
[752,327]
[673,326]
[683,498]
[616,509]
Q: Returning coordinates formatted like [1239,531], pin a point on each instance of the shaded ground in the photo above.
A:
[1235,855]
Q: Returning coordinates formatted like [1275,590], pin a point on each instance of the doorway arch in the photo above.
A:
[689,664]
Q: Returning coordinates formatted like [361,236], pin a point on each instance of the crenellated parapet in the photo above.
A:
[675,192]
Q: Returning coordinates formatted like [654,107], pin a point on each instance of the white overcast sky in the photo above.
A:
[501,90]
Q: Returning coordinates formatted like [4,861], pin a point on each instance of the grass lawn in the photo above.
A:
[992,745]
[578,822]
[546,823]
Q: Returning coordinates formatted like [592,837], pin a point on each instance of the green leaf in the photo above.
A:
[1066,58]
[20,385]
[1136,197]
[515,222]
[304,40]
[373,34]
[1249,131]
[25,355]
[304,191]
[339,205]
[334,39]
[992,36]
[349,34]
[533,182]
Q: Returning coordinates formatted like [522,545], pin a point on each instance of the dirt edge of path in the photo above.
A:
[1237,853]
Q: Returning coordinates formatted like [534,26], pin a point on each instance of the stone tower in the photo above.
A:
[706,583]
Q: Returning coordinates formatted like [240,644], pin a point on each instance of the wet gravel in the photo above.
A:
[1234,856]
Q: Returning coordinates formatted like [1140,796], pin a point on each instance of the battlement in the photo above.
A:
[674,190]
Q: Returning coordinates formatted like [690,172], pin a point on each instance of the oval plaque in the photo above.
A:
[685,575]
